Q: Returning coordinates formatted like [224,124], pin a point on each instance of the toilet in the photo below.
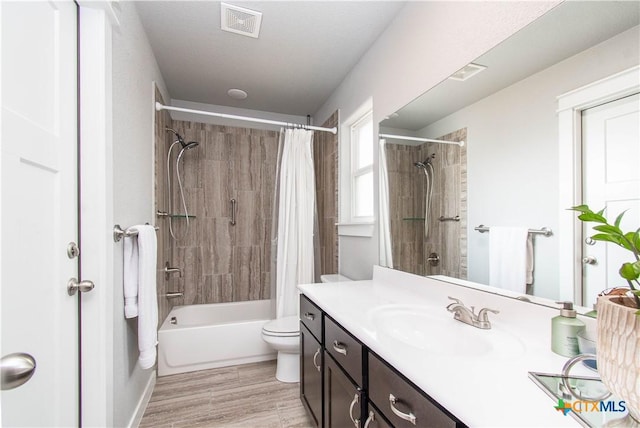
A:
[283,335]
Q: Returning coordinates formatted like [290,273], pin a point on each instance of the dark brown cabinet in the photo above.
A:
[342,398]
[311,356]
[345,385]
[401,403]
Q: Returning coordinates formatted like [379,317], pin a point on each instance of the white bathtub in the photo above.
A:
[213,335]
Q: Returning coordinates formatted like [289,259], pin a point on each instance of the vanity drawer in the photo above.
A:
[311,317]
[344,348]
[411,407]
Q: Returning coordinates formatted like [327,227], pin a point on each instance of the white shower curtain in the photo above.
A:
[296,200]
[386,256]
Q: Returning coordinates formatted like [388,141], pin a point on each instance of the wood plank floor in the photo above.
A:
[239,396]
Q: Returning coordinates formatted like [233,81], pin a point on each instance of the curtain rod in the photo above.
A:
[160,106]
[423,140]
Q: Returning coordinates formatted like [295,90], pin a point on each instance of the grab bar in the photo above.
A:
[543,231]
[119,232]
[173,294]
[234,205]
[443,218]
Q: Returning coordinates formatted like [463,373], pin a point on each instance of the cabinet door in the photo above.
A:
[401,403]
[375,419]
[311,375]
[342,398]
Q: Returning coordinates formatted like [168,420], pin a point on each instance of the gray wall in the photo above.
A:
[134,70]
[512,149]
[427,42]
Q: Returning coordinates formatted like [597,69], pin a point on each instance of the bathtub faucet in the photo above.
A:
[169,270]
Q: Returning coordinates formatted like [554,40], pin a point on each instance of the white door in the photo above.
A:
[39,209]
[611,179]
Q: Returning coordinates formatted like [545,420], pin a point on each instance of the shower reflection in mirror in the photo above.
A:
[423,182]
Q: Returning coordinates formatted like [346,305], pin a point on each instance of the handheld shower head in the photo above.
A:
[190,145]
[185,146]
[419,165]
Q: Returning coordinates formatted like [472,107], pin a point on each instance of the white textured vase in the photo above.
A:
[619,351]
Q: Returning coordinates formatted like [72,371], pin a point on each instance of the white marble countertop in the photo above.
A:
[492,389]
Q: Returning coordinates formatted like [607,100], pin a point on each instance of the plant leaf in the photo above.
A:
[607,237]
[619,218]
[601,212]
[607,228]
[630,272]
[633,243]
[592,217]
[581,208]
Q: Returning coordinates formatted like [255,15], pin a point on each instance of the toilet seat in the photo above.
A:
[282,327]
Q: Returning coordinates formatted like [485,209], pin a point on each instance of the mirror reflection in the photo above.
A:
[455,210]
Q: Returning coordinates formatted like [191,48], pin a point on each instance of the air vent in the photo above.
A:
[239,20]
[467,71]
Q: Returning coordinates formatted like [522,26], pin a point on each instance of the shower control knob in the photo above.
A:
[590,260]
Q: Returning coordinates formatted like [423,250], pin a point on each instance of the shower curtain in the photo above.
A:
[386,255]
[293,220]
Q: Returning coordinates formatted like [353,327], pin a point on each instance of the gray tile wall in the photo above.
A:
[325,162]
[407,190]
[162,139]
[220,262]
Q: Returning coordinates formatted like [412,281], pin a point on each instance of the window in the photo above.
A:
[362,169]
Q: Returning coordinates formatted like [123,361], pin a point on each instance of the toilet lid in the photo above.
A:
[287,326]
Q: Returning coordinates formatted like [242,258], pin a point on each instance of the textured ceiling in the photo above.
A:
[305,50]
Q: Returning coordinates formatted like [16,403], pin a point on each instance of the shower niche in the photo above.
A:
[411,168]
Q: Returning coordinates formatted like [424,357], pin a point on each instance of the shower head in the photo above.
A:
[420,164]
[185,146]
[189,145]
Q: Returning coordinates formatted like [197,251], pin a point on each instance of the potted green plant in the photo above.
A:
[618,321]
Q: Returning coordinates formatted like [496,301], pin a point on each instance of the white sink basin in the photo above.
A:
[424,329]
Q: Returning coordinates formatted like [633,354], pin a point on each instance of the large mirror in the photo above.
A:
[507,173]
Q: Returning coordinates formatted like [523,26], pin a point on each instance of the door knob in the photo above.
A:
[73,286]
[590,260]
[16,369]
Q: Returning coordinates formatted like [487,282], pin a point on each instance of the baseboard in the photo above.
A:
[142,404]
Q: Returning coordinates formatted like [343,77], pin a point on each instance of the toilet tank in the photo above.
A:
[334,278]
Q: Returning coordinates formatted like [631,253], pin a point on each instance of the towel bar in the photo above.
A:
[119,232]
[543,231]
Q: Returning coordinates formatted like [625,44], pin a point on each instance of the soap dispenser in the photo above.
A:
[564,330]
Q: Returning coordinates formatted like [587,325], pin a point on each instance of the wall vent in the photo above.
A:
[239,20]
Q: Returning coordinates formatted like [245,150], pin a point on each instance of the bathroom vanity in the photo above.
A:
[386,352]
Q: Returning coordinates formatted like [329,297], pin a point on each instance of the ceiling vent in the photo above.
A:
[467,71]
[239,20]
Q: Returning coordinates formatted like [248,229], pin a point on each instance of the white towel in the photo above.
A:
[130,277]
[147,307]
[510,258]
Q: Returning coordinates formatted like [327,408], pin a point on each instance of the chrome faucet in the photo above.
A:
[468,316]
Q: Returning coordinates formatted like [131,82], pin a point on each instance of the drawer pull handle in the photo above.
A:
[371,418]
[309,316]
[340,348]
[356,422]
[406,416]
[316,365]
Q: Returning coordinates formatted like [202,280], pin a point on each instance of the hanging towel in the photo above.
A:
[147,302]
[130,277]
[510,258]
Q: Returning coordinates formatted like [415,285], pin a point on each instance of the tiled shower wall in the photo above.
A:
[407,191]
[162,139]
[221,262]
[325,163]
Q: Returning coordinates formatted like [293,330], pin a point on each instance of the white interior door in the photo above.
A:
[611,179]
[39,209]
